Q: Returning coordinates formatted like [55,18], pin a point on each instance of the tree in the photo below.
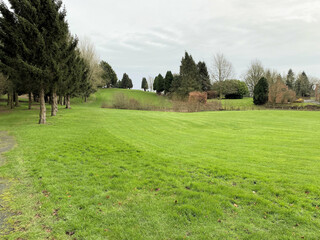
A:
[189,76]
[253,75]
[290,79]
[158,84]
[150,83]
[260,92]
[222,69]
[144,84]
[176,83]
[168,81]
[109,76]
[302,85]
[204,77]
[126,82]
[232,89]
[39,32]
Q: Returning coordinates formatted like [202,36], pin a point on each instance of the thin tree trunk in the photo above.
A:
[60,100]
[30,101]
[64,100]
[43,109]
[11,102]
[85,99]
[68,102]
[54,103]
[16,99]
[8,101]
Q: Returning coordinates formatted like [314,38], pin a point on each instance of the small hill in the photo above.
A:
[108,97]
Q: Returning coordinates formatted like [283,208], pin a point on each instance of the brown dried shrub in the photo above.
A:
[198,97]
[279,93]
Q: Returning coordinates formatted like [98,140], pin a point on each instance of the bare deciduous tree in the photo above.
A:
[221,70]
[254,73]
[150,83]
[90,55]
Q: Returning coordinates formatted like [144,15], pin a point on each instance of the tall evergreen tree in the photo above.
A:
[126,82]
[109,76]
[144,84]
[260,93]
[290,79]
[189,76]
[159,84]
[302,85]
[168,81]
[155,84]
[42,32]
[204,77]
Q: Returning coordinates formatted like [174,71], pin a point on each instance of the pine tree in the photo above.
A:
[290,79]
[189,76]
[159,84]
[168,81]
[126,82]
[302,85]
[144,84]
[155,84]
[42,32]
[260,93]
[204,77]
[109,76]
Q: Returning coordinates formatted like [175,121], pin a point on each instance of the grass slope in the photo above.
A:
[94,173]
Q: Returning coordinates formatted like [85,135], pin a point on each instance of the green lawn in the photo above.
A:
[96,173]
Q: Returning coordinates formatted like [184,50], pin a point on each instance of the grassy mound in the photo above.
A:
[94,173]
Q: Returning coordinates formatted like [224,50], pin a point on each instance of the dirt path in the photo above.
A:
[6,143]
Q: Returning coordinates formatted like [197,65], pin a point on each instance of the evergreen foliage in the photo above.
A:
[126,82]
[290,79]
[168,81]
[38,54]
[260,93]
[109,76]
[204,76]
[144,84]
[302,85]
[189,76]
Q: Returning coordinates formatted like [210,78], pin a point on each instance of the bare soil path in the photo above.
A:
[6,144]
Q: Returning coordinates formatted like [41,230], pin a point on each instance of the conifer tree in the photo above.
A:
[290,79]
[204,77]
[260,93]
[168,81]
[144,84]
[189,76]
[109,76]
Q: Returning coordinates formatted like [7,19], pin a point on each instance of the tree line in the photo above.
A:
[221,83]
[40,57]
[195,77]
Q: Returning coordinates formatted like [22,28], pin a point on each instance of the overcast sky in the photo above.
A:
[148,37]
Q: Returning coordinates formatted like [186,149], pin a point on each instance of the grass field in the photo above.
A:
[94,173]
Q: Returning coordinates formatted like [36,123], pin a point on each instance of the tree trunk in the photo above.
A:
[30,101]
[10,99]
[68,102]
[85,99]
[54,103]
[16,99]
[64,100]
[43,109]
[60,100]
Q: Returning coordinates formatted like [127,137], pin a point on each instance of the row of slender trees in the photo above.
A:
[39,56]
